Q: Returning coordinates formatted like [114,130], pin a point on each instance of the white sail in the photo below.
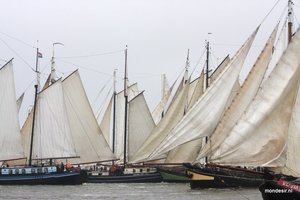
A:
[259,137]
[10,136]
[292,152]
[188,152]
[172,117]
[19,101]
[219,69]
[105,124]
[278,50]
[159,109]
[196,90]
[242,99]
[140,123]
[120,118]
[52,134]
[203,117]
[87,137]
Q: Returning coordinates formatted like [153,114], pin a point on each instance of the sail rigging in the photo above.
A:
[203,117]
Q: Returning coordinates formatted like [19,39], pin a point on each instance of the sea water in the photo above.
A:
[134,191]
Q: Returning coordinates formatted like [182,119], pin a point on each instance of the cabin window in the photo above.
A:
[141,170]
[9,171]
[23,171]
[40,170]
[148,170]
[46,170]
[133,170]
[16,171]
[33,171]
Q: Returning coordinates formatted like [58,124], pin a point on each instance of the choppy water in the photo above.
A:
[145,191]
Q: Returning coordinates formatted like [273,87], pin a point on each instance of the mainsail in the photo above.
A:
[188,152]
[88,139]
[244,97]
[260,136]
[52,133]
[203,117]
[120,114]
[140,123]
[171,118]
[10,137]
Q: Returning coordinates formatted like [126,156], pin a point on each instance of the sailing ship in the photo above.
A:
[265,122]
[140,121]
[32,173]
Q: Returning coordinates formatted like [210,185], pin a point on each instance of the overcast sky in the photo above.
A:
[157,32]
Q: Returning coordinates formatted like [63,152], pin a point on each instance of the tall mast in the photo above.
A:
[36,86]
[290,22]
[114,113]
[53,71]
[187,64]
[207,64]
[126,104]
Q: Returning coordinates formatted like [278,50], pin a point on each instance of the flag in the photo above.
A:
[40,55]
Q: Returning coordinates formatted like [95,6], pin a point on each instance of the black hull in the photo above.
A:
[271,190]
[222,178]
[126,178]
[63,178]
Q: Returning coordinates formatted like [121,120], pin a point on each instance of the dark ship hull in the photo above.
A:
[41,176]
[280,189]
[126,178]
[216,177]
[117,174]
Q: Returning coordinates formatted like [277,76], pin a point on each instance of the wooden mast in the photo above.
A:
[114,113]
[290,20]
[36,86]
[126,104]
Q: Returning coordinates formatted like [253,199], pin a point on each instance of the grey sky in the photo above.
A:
[157,32]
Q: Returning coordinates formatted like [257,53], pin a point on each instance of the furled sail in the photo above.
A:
[52,134]
[171,118]
[140,123]
[87,137]
[259,137]
[10,137]
[203,117]
[241,101]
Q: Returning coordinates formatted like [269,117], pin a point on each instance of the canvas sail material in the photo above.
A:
[188,152]
[219,69]
[243,98]
[52,134]
[120,117]
[260,135]
[19,101]
[279,48]
[10,136]
[159,109]
[105,124]
[172,117]
[203,117]
[87,137]
[292,151]
[197,90]
[140,123]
